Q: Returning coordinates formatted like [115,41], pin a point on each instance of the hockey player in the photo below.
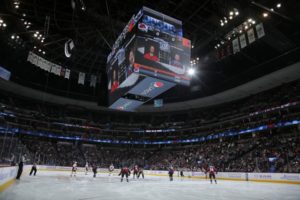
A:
[212,173]
[94,167]
[135,171]
[86,168]
[74,169]
[141,172]
[171,172]
[111,169]
[33,169]
[124,172]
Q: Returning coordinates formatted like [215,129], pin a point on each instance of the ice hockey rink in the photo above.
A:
[59,185]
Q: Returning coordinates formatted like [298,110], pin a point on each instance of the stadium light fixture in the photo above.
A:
[191,71]
[265,14]
[278,5]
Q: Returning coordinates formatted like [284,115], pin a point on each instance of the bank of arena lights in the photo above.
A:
[39,50]
[194,62]
[231,15]
[278,5]
[83,8]
[16,41]
[15,37]
[191,71]
[39,36]
[265,14]
[2,24]
[17,4]
[27,24]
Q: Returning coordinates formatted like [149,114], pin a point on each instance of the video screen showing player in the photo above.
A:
[152,54]
[121,74]
[160,55]
[158,58]
[130,66]
[115,81]
[176,61]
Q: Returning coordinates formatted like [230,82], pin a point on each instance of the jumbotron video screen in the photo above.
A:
[151,45]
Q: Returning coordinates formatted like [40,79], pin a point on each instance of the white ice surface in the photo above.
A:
[59,185]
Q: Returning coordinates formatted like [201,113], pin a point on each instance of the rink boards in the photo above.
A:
[8,174]
[291,178]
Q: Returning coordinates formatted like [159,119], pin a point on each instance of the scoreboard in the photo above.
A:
[149,57]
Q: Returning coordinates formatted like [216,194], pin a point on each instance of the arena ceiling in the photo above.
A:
[94,25]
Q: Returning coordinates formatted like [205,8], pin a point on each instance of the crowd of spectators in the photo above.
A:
[257,152]
[263,152]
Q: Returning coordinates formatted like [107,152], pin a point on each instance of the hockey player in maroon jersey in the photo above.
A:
[124,172]
[135,171]
[212,173]
[94,168]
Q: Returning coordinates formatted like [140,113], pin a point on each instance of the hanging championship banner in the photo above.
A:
[235,46]
[243,41]
[251,35]
[260,30]
[81,78]
[67,73]
[93,81]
